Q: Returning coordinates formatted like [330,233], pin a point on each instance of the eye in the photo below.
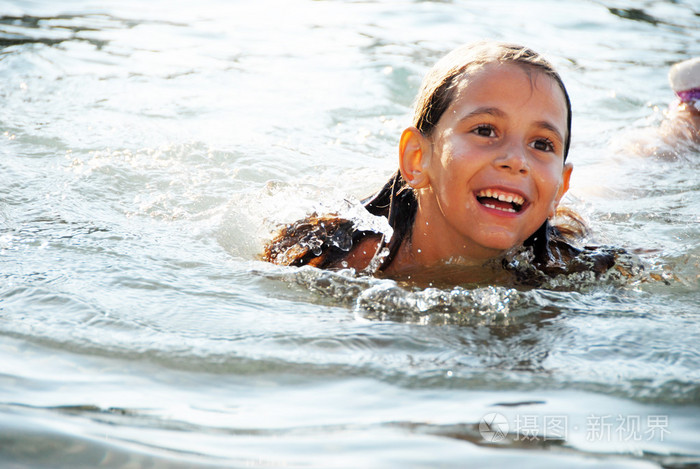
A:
[543,144]
[485,130]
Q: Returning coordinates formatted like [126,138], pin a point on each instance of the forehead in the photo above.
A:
[512,84]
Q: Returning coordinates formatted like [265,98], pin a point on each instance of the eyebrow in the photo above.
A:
[548,126]
[496,112]
[493,111]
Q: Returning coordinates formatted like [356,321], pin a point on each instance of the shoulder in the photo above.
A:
[325,242]
[362,253]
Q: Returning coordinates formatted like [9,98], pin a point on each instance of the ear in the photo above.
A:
[563,187]
[414,156]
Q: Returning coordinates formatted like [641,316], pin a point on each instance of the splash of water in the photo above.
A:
[492,304]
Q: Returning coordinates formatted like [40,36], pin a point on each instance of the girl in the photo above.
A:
[678,135]
[683,124]
[481,171]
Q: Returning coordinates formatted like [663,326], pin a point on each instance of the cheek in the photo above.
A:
[455,176]
[549,182]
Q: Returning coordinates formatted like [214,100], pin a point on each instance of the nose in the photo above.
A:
[513,159]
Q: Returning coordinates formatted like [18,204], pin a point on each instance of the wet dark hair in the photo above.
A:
[314,240]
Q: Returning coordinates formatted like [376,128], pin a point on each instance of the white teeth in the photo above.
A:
[509,198]
[499,208]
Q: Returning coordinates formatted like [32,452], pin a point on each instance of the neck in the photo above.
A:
[434,242]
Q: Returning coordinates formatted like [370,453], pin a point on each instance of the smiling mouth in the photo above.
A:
[501,200]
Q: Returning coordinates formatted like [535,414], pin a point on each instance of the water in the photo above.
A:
[149,148]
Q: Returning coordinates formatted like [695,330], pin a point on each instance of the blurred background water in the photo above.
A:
[149,148]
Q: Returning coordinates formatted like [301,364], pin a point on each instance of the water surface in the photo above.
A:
[149,149]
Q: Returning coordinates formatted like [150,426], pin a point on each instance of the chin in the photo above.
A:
[499,244]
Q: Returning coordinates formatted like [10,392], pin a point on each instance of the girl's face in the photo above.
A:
[495,168]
